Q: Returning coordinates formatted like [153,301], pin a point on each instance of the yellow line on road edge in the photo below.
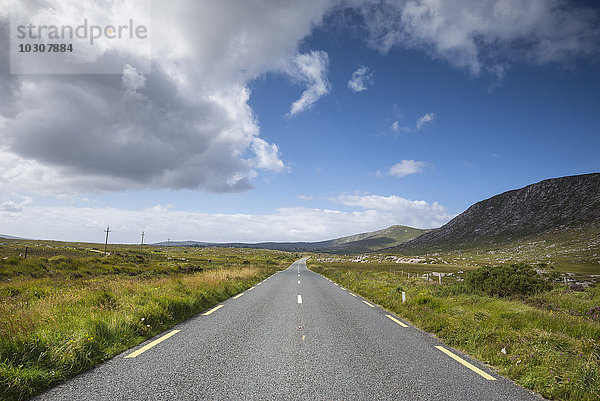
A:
[212,310]
[251,288]
[396,320]
[152,344]
[354,295]
[238,295]
[465,363]
[372,306]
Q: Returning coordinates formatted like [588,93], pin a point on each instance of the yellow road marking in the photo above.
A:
[238,295]
[152,344]
[212,310]
[465,363]
[372,306]
[250,289]
[354,295]
[396,320]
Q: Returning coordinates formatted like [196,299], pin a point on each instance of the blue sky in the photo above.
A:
[301,122]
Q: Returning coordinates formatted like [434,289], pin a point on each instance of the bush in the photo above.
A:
[504,281]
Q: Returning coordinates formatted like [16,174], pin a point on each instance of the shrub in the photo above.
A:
[504,281]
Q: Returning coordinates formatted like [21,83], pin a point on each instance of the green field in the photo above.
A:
[68,306]
[551,340]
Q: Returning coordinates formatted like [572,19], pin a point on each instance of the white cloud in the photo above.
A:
[159,208]
[361,79]
[413,213]
[186,125]
[132,80]
[397,128]
[160,223]
[311,70]
[485,34]
[424,120]
[15,205]
[406,167]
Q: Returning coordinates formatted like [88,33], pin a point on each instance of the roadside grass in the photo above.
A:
[551,339]
[62,316]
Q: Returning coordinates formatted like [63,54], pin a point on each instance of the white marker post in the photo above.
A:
[403,297]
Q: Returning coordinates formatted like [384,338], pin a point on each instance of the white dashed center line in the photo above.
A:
[299,299]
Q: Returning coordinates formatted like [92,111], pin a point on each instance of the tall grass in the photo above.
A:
[59,320]
[551,340]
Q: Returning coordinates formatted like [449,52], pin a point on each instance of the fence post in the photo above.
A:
[26,249]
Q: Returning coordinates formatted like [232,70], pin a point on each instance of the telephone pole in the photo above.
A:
[106,243]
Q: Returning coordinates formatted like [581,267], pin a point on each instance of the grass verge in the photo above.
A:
[551,340]
[61,317]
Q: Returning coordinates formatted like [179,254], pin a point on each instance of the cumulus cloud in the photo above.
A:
[414,213]
[424,120]
[406,167]
[481,35]
[160,222]
[309,69]
[16,205]
[186,125]
[361,79]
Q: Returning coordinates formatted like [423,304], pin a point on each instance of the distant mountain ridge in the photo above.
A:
[358,243]
[547,207]
[9,237]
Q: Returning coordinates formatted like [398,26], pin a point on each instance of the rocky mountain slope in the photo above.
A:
[548,207]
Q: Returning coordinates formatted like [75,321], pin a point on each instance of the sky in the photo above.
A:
[293,121]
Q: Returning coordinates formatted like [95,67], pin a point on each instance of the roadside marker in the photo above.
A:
[396,320]
[299,299]
[238,295]
[152,344]
[465,363]
[372,306]
[212,310]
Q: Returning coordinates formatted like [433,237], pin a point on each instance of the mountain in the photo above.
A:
[376,240]
[9,237]
[358,243]
[553,207]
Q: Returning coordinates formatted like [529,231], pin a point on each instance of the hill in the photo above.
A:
[358,243]
[9,237]
[566,207]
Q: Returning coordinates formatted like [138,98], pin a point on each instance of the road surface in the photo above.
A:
[294,336]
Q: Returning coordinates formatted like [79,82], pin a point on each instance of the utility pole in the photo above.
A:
[106,243]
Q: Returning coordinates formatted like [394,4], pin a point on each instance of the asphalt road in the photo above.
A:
[296,335]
